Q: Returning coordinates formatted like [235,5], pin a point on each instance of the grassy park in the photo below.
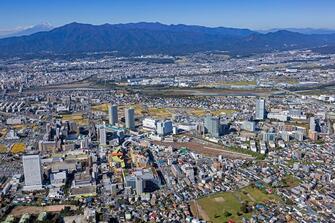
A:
[222,207]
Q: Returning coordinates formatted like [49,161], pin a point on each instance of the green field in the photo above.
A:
[226,206]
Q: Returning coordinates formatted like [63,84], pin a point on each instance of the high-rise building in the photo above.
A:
[260,109]
[312,124]
[102,135]
[139,185]
[84,142]
[112,114]
[212,126]
[164,128]
[130,118]
[32,172]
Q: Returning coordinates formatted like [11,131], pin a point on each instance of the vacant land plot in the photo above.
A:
[3,148]
[100,107]
[3,133]
[203,112]
[226,206]
[161,113]
[76,117]
[18,148]
[35,210]
[140,110]
[198,212]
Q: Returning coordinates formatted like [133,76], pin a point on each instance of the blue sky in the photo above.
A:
[254,14]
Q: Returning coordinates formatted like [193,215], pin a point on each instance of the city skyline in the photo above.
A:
[256,15]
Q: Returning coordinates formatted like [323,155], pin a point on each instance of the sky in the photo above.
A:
[253,14]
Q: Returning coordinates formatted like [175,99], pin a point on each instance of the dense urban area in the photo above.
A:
[204,137]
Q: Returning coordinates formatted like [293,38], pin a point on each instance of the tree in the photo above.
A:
[244,208]
[227,214]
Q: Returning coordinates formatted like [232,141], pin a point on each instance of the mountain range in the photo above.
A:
[156,38]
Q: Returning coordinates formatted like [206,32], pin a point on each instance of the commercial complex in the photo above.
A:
[32,172]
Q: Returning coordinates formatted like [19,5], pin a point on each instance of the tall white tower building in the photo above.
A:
[260,109]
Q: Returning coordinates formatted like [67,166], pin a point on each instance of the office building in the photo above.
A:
[269,136]
[139,185]
[296,114]
[277,116]
[84,142]
[260,109]
[144,180]
[249,126]
[149,124]
[102,135]
[164,127]
[130,118]
[32,172]
[312,124]
[130,181]
[112,114]
[58,179]
[263,148]
[212,126]
[175,130]
[253,146]
[285,136]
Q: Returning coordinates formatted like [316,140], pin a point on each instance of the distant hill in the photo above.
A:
[28,31]
[154,38]
[301,30]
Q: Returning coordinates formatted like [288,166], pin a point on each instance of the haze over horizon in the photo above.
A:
[255,15]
